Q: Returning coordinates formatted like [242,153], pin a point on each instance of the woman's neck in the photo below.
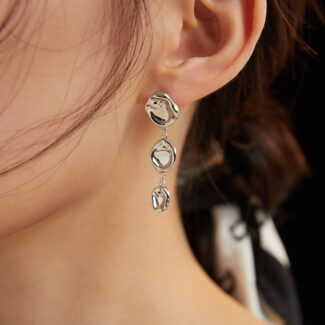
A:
[91,261]
[108,258]
[90,265]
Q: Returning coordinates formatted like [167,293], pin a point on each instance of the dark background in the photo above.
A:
[302,90]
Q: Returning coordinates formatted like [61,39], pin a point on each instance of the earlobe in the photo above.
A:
[215,42]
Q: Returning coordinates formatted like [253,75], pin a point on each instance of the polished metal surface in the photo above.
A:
[162,110]
[160,198]
[163,155]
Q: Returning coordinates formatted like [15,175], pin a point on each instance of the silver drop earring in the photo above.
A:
[162,112]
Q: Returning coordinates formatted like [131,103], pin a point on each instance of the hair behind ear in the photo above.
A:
[251,126]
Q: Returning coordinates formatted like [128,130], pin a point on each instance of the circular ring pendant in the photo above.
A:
[160,198]
[163,155]
[162,110]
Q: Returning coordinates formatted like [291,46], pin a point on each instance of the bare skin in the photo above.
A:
[80,243]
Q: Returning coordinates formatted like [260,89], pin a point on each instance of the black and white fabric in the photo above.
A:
[253,266]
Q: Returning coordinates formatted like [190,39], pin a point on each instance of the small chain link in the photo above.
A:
[164,132]
[163,174]
[162,178]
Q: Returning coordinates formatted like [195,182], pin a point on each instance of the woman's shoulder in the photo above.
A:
[211,305]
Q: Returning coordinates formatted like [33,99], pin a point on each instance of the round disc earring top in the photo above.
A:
[162,110]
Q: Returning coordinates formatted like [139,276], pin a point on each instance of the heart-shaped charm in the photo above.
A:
[160,198]
[163,155]
[162,110]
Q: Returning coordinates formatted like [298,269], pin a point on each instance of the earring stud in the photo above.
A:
[163,112]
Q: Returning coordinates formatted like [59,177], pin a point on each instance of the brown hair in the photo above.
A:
[128,21]
[240,148]
[262,159]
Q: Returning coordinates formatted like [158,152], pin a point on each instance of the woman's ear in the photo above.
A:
[201,45]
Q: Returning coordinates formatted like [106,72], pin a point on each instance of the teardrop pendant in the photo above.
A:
[160,198]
